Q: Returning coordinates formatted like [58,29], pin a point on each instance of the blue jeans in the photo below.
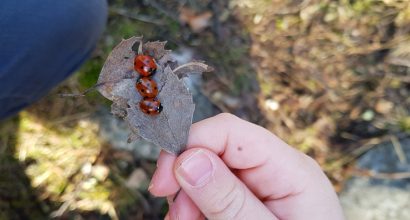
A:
[41,44]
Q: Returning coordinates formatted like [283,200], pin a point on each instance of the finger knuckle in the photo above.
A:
[227,116]
[230,204]
[312,163]
[310,170]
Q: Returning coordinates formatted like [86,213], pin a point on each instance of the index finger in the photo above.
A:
[291,184]
[243,146]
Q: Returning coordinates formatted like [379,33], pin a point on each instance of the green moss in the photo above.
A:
[266,88]
[362,6]
[88,74]
[243,83]
[404,124]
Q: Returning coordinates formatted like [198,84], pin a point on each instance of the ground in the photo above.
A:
[329,77]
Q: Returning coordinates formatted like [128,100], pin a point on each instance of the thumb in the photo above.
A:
[216,191]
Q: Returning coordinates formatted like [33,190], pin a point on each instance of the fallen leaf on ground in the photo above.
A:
[196,21]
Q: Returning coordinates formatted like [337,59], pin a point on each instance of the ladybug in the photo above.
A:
[147,87]
[145,65]
[150,106]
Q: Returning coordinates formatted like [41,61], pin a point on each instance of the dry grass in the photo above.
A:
[328,84]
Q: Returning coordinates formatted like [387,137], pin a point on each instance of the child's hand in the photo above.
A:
[234,169]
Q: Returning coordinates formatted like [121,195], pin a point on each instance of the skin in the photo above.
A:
[233,169]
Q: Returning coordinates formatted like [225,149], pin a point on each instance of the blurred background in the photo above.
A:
[331,78]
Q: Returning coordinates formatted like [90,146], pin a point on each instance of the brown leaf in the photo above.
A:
[157,50]
[170,128]
[197,22]
[117,67]
[384,106]
[192,67]
[136,179]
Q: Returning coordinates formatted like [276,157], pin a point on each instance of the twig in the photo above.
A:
[161,9]
[382,175]
[85,92]
[63,208]
[356,153]
[401,78]
[127,14]
[135,193]
[398,149]
[70,118]
[92,88]
[293,10]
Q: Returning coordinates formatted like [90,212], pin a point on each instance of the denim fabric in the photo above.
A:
[41,43]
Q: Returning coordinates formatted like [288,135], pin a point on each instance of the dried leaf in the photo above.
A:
[118,108]
[384,106]
[400,55]
[197,22]
[170,128]
[157,50]
[117,67]
[192,67]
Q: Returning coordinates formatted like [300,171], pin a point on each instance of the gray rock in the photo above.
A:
[203,107]
[367,198]
[115,131]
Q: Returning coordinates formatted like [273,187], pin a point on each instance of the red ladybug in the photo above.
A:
[147,87]
[145,65]
[150,106]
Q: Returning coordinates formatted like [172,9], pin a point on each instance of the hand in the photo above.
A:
[233,169]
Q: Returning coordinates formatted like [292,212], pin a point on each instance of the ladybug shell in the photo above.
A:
[150,106]
[145,65]
[147,87]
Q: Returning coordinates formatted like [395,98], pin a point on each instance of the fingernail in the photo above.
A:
[153,180]
[196,169]
[150,186]
[170,200]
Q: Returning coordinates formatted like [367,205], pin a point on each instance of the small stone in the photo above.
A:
[86,168]
[383,106]
[137,179]
[100,172]
[272,104]
[368,115]
[257,19]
